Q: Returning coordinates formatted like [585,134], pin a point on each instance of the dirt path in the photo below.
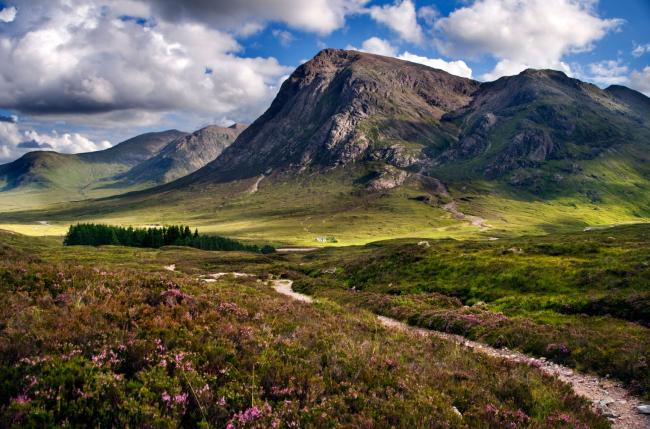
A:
[296,249]
[607,396]
[476,221]
[211,278]
[284,287]
[256,185]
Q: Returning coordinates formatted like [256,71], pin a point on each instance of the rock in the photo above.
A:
[424,244]
[395,155]
[389,178]
[643,409]
[604,409]
[458,413]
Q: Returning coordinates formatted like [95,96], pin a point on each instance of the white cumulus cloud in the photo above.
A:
[284,37]
[401,18]
[85,59]
[608,72]
[15,142]
[378,46]
[522,33]
[641,49]
[458,67]
[8,14]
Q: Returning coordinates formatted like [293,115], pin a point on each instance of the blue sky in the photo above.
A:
[634,31]
[83,76]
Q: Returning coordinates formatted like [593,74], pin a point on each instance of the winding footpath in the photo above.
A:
[607,396]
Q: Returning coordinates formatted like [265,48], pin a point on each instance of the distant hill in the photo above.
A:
[43,177]
[44,169]
[184,155]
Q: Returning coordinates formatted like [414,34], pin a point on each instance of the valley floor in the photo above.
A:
[118,336]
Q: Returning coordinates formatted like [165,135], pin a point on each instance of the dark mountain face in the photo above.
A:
[347,107]
[342,107]
[134,150]
[184,155]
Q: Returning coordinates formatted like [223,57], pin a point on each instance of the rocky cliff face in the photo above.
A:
[342,107]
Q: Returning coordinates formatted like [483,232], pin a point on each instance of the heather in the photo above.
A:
[106,337]
[580,299]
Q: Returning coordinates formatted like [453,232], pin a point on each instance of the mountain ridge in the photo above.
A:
[184,155]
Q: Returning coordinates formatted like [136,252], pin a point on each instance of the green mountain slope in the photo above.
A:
[42,177]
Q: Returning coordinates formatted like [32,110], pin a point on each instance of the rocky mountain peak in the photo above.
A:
[342,107]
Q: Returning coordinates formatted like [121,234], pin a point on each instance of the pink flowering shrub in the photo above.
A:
[115,345]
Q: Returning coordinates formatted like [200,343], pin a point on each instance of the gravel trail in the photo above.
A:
[608,397]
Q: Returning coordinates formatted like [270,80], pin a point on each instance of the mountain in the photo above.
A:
[525,121]
[527,131]
[47,168]
[134,150]
[184,155]
[43,177]
[343,107]
[359,147]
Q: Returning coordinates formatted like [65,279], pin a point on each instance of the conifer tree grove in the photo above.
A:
[173,235]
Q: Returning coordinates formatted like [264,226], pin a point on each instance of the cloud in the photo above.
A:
[641,49]
[15,142]
[608,72]
[640,80]
[249,16]
[401,18]
[522,33]
[33,144]
[428,14]
[458,68]
[378,46]
[284,37]
[9,134]
[82,61]
[66,142]
[8,14]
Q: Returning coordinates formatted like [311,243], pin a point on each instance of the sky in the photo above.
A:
[82,75]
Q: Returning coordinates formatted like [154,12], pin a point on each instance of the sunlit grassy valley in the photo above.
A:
[387,246]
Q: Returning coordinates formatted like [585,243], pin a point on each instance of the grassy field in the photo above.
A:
[581,299]
[107,337]
[297,210]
